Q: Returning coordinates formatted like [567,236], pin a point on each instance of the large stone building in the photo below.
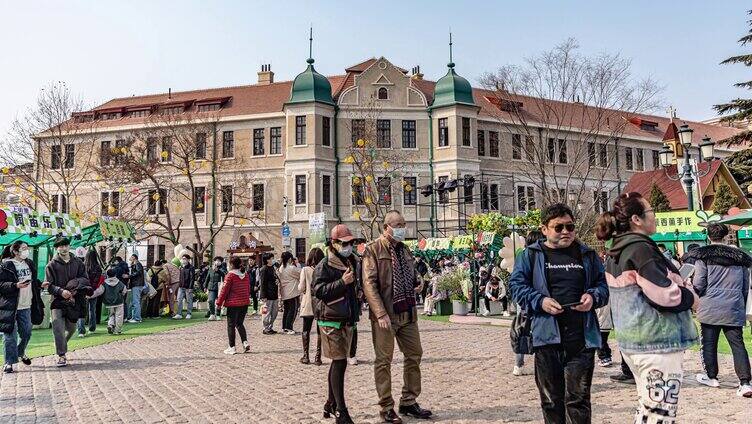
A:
[290,139]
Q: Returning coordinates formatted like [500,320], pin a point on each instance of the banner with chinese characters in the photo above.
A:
[437,243]
[26,221]
[682,221]
[462,242]
[486,238]
[116,229]
[316,228]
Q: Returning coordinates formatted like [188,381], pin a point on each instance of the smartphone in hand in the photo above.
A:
[686,271]
[571,305]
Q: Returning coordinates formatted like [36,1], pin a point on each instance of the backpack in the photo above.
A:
[520,334]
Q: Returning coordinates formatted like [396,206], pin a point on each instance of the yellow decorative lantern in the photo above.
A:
[17,181]
[121,189]
[349,160]
[165,154]
[361,142]
[356,215]
[368,200]
[199,206]
[385,164]
[155,196]
[111,210]
[356,180]
[408,188]
[242,221]
[369,178]
[123,150]
[6,170]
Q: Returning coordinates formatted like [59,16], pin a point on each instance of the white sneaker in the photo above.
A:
[289,332]
[188,316]
[517,371]
[132,321]
[177,316]
[506,313]
[744,390]
[710,382]
[230,351]
[81,335]
[352,361]
[212,317]
[486,313]
[246,347]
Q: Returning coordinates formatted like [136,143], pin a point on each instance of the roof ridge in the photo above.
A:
[230,87]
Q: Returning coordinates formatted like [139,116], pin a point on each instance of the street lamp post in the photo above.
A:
[687,174]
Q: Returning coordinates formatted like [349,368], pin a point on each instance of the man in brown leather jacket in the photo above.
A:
[389,284]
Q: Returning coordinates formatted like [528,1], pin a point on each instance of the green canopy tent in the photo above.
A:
[742,219]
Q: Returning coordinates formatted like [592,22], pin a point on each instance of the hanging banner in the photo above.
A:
[485,238]
[683,221]
[411,244]
[316,228]
[116,229]
[462,242]
[438,243]
[25,221]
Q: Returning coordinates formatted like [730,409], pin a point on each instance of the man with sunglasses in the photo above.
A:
[561,282]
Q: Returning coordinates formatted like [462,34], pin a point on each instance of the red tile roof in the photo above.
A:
[267,98]
[643,181]
[672,133]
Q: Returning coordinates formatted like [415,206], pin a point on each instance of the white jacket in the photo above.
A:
[304,287]
[289,278]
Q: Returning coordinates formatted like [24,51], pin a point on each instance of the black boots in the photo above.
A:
[330,409]
[317,359]
[343,417]
[306,342]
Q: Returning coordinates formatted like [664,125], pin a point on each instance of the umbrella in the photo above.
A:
[742,219]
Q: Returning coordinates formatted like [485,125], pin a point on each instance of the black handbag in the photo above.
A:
[337,310]
[521,335]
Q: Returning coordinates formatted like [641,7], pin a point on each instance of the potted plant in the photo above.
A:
[200,300]
[456,284]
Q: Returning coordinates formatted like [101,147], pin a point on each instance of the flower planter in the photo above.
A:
[459,307]
[444,307]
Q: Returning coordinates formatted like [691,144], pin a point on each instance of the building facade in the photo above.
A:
[288,143]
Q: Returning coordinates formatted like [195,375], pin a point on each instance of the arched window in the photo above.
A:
[383,93]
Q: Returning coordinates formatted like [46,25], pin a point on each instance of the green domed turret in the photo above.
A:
[311,86]
[451,88]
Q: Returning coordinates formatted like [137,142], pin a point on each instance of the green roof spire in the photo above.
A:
[309,85]
[452,89]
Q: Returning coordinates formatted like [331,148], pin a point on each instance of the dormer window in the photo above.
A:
[172,110]
[383,94]
[207,108]
[109,116]
[138,113]
[209,105]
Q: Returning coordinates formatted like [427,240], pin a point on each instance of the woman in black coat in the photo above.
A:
[335,307]
[20,303]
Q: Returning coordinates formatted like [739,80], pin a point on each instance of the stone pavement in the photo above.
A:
[182,376]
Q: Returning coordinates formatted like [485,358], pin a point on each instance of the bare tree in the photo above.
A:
[173,160]
[376,168]
[565,113]
[48,152]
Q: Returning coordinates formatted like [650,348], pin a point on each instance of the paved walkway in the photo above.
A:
[182,377]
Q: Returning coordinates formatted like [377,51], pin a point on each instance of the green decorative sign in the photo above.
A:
[116,229]
[26,221]
[462,242]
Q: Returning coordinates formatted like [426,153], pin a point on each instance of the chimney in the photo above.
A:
[416,73]
[266,76]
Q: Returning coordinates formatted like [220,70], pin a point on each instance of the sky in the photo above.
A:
[103,50]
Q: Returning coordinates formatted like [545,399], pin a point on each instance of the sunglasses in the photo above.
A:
[560,227]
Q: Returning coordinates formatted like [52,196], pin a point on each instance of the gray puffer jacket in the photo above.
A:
[721,280]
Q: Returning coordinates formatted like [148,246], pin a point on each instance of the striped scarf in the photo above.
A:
[403,282]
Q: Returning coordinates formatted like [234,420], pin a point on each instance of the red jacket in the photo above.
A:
[236,290]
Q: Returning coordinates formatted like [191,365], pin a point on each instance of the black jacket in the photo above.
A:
[37,306]
[213,278]
[269,283]
[69,276]
[328,285]
[187,274]
[8,298]
[136,275]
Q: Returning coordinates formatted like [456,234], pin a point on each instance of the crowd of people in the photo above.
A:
[567,299]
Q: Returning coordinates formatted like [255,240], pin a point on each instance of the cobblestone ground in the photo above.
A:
[182,376]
